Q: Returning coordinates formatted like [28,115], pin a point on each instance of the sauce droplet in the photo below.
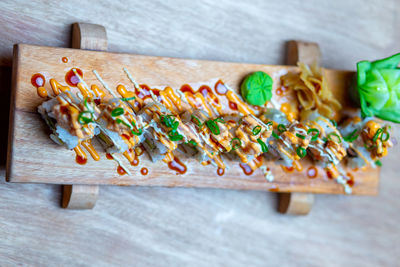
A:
[121,170]
[65,59]
[246,168]
[233,105]
[274,189]
[71,78]
[220,88]
[38,81]
[144,171]
[220,171]
[80,160]
[109,156]
[177,166]
[312,172]
[350,182]
[287,169]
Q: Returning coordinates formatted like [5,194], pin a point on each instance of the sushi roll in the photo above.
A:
[366,141]
[120,128]
[70,120]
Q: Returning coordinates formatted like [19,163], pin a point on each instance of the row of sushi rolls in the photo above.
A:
[256,133]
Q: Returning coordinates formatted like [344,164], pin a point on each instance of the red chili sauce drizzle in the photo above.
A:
[177,166]
[64,59]
[312,172]
[71,78]
[144,92]
[109,156]
[38,80]
[220,88]
[204,90]
[120,170]
[246,168]
[350,182]
[80,160]
[144,171]
[220,171]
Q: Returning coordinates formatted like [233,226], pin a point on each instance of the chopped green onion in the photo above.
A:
[221,120]
[300,136]
[237,145]
[301,152]
[192,142]
[315,136]
[213,127]
[196,120]
[275,135]
[339,140]
[83,119]
[351,137]
[117,112]
[378,163]
[140,131]
[334,123]
[369,147]
[256,130]
[387,136]
[377,134]
[128,98]
[281,128]
[122,122]
[174,136]
[264,147]
[168,120]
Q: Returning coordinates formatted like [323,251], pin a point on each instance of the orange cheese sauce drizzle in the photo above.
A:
[89,148]
[80,155]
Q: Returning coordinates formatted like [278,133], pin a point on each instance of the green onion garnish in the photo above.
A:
[122,122]
[83,119]
[117,112]
[174,136]
[300,136]
[128,98]
[213,127]
[301,152]
[264,147]
[168,120]
[378,163]
[221,120]
[140,131]
[281,128]
[256,130]
[237,145]
[339,140]
[275,135]
[377,134]
[369,147]
[351,137]
[315,136]
[192,142]
[387,135]
[196,120]
[334,123]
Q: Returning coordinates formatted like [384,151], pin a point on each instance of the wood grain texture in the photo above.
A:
[202,227]
[30,134]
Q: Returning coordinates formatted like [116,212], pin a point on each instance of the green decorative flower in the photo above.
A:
[256,88]
[378,86]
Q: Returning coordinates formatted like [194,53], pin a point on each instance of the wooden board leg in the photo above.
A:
[90,37]
[295,203]
[79,196]
[309,53]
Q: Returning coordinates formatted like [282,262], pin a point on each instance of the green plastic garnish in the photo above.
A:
[256,88]
[378,87]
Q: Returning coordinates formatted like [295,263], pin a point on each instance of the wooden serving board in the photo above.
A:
[34,158]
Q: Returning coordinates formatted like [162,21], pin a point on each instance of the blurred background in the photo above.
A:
[133,226]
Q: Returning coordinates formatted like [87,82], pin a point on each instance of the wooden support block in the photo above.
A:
[90,37]
[309,53]
[79,197]
[295,203]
